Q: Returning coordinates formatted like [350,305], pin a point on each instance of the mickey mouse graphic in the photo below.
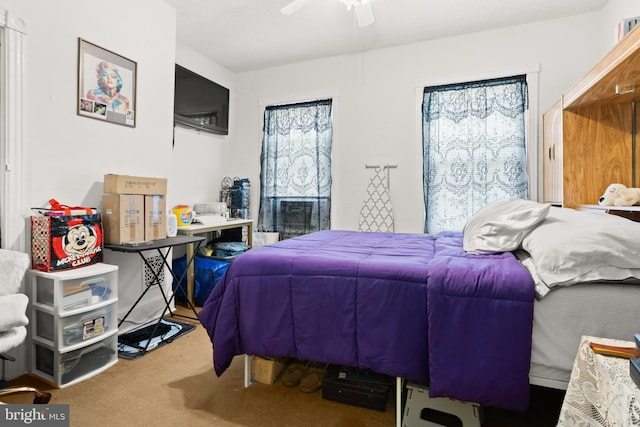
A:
[79,244]
[79,240]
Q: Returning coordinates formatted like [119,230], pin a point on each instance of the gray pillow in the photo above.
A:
[572,246]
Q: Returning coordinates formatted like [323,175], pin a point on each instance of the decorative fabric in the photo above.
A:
[601,391]
[13,305]
[132,344]
[13,265]
[12,338]
[13,308]
[295,177]
[473,148]
[377,212]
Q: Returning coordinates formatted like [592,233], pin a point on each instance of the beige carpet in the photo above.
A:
[175,386]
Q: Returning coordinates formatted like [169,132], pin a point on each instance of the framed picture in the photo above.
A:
[106,85]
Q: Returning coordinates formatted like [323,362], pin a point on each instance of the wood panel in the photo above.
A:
[632,215]
[597,151]
[636,145]
[619,68]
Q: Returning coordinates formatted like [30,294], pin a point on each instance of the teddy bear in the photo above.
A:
[620,195]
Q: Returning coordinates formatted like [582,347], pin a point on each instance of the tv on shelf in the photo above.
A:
[200,103]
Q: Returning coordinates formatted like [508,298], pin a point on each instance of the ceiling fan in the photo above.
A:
[362,9]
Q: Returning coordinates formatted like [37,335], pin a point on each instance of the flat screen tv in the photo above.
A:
[200,103]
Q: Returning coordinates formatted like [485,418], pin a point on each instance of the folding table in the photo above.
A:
[194,243]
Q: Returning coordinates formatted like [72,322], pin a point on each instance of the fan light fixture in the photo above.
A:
[350,3]
[362,9]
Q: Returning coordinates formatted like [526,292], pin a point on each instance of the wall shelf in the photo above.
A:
[589,136]
[611,79]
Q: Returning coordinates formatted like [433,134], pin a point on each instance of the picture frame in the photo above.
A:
[107,85]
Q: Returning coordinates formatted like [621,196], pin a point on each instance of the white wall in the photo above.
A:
[375,107]
[614,12]
[66,155]
[201,160]
[376,114]
[69,154]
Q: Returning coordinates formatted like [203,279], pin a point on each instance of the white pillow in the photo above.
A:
[572,246]
[500,226]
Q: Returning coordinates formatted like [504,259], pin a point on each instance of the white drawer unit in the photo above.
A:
[72,290]
[65,369]
[72,330]
[73,322]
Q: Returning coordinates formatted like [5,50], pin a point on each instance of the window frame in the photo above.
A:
[316,100]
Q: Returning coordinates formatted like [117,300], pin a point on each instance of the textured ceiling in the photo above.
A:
[243,35]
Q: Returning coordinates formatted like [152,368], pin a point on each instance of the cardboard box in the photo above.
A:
[266,370]
[126,184]
[123,218]
[155,217]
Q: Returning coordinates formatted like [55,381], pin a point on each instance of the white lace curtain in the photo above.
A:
[473,148]
[295,177]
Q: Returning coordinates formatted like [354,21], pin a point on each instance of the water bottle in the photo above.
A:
[172,225]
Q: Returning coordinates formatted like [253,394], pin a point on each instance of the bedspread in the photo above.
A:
[409,305]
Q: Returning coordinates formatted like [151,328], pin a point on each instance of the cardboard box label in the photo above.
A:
[123,218]
[155,217]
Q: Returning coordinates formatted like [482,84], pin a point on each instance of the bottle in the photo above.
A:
[172,225]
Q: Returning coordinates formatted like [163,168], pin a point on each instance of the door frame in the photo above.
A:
[12,148]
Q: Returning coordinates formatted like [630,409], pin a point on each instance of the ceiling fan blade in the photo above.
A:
[364,14]
[294,6]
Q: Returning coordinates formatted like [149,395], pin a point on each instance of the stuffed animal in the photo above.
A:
[620,195]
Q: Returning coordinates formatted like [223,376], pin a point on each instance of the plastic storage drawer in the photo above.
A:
[65,369]
[77,329]
[78,288]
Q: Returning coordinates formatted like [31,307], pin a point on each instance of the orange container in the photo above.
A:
[184,214]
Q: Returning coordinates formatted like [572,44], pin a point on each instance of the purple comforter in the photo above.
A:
[409,305]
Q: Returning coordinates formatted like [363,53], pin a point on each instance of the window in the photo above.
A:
[474,148]
[295,176]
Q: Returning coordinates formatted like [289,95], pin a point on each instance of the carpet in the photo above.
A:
[132,344]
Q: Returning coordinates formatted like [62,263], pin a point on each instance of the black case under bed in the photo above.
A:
[358,387]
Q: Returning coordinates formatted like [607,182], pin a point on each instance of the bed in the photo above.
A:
[560,320]
[479,315]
